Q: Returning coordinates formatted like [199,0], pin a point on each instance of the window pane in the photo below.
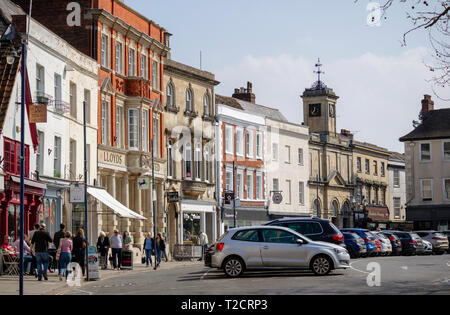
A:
[447,151]
[425,153]
[447,189]
[278,236]
[247,236]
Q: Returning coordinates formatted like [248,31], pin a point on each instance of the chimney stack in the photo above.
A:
[245,94]
[427,105]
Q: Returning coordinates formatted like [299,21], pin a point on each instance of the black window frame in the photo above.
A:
[260,239]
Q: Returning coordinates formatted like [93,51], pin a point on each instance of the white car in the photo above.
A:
[386,246]
[428,247]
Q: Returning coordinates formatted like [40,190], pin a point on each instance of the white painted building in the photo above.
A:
[397,188]
[287,168]
[61,77]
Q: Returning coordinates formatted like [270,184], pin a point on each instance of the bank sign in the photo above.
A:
[111,158]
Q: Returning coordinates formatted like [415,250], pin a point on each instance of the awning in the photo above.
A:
[104,197]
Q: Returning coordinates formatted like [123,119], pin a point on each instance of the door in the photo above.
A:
[280,249]
[248,242]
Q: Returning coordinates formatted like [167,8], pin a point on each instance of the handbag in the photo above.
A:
[143,259]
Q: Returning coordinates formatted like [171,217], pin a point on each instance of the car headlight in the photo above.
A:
[340,251]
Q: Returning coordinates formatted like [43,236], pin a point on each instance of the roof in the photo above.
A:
[397,156]
[265,111]
[173,65]
[435,125]
[8,9]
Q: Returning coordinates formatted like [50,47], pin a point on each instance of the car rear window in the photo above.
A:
[368,234]
[438,234]
[305,228]
[415,236]
[246,236]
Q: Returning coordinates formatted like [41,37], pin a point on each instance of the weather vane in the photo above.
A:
[319,71]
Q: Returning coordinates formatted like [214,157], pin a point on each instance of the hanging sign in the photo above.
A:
[38,113]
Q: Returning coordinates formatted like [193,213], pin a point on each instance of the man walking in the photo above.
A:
[203,243]
[116,248]
[57,239]
[40,241]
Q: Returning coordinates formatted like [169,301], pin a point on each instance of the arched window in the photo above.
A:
[198,161]
[189,100]
[206,165]
[170,167]
[169,95]
[345,209]
[334,208]
[206,105]
[188,161]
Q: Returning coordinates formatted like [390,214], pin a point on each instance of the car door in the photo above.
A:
[279,248]
[248,243]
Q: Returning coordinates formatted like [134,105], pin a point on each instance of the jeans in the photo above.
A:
[164,254]
[148,256]
[158,256]
[204,248]
[27,260]
[64,261]
[42,261]
[117,255]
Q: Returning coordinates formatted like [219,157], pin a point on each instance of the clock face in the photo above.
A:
[314,110]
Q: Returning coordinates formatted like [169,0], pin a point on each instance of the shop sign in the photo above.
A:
[38,113]
[172,197]
[76,193]
[111,158]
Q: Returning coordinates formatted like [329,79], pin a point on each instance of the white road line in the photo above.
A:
[204,275]
[90,293]
[351,267]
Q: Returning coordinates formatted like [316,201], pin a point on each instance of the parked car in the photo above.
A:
[369,240]
[314,228]
[386,247]
[411,243]
[447,233]
[437,239]
[355,245]
[428,247]
[274,247]
[395,242]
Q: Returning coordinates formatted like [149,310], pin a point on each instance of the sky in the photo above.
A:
[275,45]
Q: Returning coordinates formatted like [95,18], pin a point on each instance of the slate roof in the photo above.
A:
[267,112]
[435,125]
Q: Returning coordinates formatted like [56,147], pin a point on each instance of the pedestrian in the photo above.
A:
[40,240]
[36,228]
[126,240]
[158,250]
[116,242]
[28,259]
[148,249]
[79,249]
[65,254]
[203,243]
[56,239]
[162,246]
[103,249]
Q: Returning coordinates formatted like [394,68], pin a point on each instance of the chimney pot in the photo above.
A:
[427,104]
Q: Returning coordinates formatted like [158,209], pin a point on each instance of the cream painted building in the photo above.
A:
[427,151]
[397,188]
[189,137]
[287,167]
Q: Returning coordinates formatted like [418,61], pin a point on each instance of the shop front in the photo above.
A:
[429,217]
[51,210]
[197,216]
[377,218]
[10,205]
[245,216]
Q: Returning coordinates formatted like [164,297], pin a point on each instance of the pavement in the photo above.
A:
[10,285]
[398,275]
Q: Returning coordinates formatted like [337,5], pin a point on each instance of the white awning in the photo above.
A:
[104,197]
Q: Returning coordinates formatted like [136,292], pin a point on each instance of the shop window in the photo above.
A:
[191,227]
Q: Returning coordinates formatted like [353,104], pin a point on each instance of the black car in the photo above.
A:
[395,242]
[411,242]
[315,228]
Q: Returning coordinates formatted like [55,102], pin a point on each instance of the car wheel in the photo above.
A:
[233,267]
[321,265]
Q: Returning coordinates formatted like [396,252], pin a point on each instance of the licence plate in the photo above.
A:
[419,243]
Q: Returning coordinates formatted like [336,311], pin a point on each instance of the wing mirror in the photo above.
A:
[300,242]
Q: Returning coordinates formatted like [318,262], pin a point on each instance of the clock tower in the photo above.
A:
[319,107]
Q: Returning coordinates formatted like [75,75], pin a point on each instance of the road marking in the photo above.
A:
[90,293]
[351,267]
[204,275]
[448,264]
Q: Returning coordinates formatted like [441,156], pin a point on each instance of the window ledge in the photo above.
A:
[192,114]
[173,109]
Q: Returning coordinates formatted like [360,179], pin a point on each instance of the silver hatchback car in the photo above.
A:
[272,247]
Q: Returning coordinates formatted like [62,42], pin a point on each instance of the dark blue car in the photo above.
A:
[369,240]
[355,245]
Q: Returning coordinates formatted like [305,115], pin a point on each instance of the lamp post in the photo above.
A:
[85,192]
[22,162]
[154,200]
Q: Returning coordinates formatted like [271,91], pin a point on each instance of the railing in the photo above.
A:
[186,251]
[61,107]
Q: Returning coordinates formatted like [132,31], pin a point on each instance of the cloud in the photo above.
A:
[379,95]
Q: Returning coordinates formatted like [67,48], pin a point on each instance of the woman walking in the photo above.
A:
[103,248]
[162,246]
[158,250]
[65,256]
[148,248]
[79,249]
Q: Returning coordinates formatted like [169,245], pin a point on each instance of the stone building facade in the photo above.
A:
[190,150]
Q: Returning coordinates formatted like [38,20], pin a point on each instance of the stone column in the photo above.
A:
[125,222]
